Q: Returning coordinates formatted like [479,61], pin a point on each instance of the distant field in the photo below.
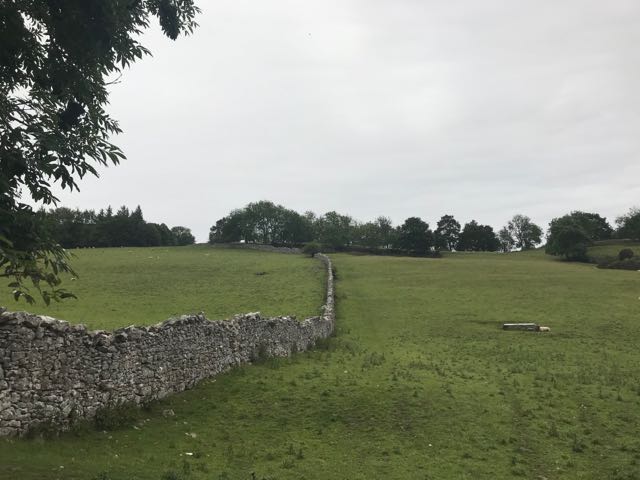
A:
[117,287]
[420,383]
[611,251]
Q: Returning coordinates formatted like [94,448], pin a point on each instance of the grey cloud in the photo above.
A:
[480,109]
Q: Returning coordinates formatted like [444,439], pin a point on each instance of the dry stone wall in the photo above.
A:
[258,246]
[53,373]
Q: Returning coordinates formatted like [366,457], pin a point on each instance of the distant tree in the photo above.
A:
[385,231]
[166,236]
[447,233]
[139,234]
[265,219]
[137,216]
[150,235]
[414,235]
[263,222]
[594,226]
[629,224]
[367,234]
[476,237]
[294,228]
[120,229]
[101,236]
[567,238]
[311,218]
[524,233]
[571,235]
[507,243]
[72,228]
[183,236]
[311,248]
[376,234]
[334,230]
[216,231]
[232,228]
[64,226]
[84,228]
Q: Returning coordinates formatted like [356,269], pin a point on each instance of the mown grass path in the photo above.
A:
[419,383]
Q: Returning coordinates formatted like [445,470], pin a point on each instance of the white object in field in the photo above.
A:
[532,327]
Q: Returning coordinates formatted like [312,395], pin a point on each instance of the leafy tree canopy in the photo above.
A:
[183,236]
[447,233]
[507,243]
[570,235]
[478,238]
[376,234]
[335,230]
[567,238]
[229,229]
[629,224]
[594,226]
[86,228]
[523,232]
[263,222]
[56,61]
[414,235]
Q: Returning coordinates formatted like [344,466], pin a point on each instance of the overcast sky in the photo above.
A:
[480,109]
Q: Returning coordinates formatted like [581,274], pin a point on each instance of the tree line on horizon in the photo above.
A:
[268,223]
[75,228]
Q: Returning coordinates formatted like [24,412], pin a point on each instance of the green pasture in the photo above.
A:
[610,251]
[419,383]
[117,287]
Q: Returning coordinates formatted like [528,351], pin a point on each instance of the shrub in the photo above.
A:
[311,248]
[625,253]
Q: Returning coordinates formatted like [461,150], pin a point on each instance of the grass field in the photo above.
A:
[419,383]
[117,287]
[610,252]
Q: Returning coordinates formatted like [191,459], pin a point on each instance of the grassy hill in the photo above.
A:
[608,250]
[420,382]
[117,287]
